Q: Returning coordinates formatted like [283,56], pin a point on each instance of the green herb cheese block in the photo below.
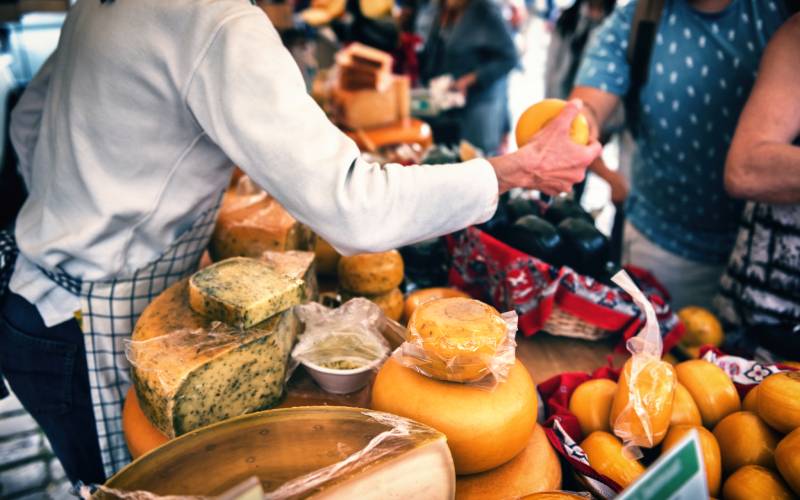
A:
[243,292]
[190,371]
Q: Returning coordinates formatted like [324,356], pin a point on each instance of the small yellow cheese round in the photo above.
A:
[744,439]
[371,273]
[591,404]
[750,402]
[540,114]
[684,409]
[460,336]
[712,390]
[708,446]
[753,481]
[419,297]
[390,303]
[605,455]
[779,401]
[484,428]
[787,458]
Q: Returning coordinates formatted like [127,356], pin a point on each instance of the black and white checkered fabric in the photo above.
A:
[8,257]
[109,313]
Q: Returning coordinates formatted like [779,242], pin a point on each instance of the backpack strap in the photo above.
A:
[640,46]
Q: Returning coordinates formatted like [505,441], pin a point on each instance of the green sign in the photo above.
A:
[677,475]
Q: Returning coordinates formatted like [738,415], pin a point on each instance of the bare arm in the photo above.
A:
[762,164]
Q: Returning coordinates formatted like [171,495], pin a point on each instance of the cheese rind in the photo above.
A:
[189,370]
[242,292]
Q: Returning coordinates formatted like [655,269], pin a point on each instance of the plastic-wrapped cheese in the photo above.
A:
[371,273]
[484,428]
[251,224]
[537,468]
[322,452]
[190,371]
[242,292]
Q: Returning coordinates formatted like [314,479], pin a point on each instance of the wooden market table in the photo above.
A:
[543,355]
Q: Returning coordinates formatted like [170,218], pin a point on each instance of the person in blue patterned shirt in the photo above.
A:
[681,223]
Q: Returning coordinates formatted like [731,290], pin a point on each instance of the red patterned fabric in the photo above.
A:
[489,269]
[562,426]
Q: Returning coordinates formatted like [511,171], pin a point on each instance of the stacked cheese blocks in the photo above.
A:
[216,345]
[498,449]
[251,222]
[753,453]
[374,276]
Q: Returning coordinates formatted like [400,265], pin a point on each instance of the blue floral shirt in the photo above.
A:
[701,71]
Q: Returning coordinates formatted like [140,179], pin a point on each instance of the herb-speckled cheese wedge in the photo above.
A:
[190,371]
[242,292]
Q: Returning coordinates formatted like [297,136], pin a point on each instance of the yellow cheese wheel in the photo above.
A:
[744,439]
[605,456]
[702,327]
[539,115]
[708,446]
[371,273]
[712,390]
[536,468]
[787,458]
[460,336]
[755,482]
[390,303]
[655,386]
[419,297]
[779,401]
[684,409]
[750,402]
[591,404]
[327,258]
[484,428]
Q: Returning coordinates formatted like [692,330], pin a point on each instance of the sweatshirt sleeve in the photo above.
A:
[249,97]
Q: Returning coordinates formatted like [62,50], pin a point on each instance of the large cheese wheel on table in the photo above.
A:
[188,373]
[537,468]
[484,428]
[280,447]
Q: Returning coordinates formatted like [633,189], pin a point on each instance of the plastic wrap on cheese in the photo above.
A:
[347,336]
[642,407]
[460,340]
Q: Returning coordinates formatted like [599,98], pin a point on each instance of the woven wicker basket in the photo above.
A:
[564,324]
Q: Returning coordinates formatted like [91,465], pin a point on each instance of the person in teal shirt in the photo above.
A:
[681,223]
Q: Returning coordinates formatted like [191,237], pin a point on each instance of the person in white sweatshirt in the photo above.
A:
[126,139]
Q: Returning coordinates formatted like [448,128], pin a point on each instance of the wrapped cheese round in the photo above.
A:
[744,439]
[750,402]
[591,404]
[708,447]
[779,401]
[537,468]
[484,429]
[644,394]
[419,297]
[371,273]
[460,337]
[712,390]
[606,456]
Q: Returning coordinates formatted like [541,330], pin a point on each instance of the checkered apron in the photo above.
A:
[109,310]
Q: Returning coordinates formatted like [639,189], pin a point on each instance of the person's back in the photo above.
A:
[132,60]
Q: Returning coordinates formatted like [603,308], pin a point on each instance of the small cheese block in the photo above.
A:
[242,292]
[290,451]
[537,468]
[189,371]
[371,273]
[251,224]
[298,265]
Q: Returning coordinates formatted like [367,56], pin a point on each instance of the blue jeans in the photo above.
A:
[46,368]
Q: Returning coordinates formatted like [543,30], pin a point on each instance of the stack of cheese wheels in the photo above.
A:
[374,276]
[491,431]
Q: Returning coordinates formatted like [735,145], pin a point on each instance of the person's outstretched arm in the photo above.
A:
[248,96]
[762,164]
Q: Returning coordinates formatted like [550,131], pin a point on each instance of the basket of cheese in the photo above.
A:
[746,416]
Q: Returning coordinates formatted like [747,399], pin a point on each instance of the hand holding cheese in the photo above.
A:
[551,161]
